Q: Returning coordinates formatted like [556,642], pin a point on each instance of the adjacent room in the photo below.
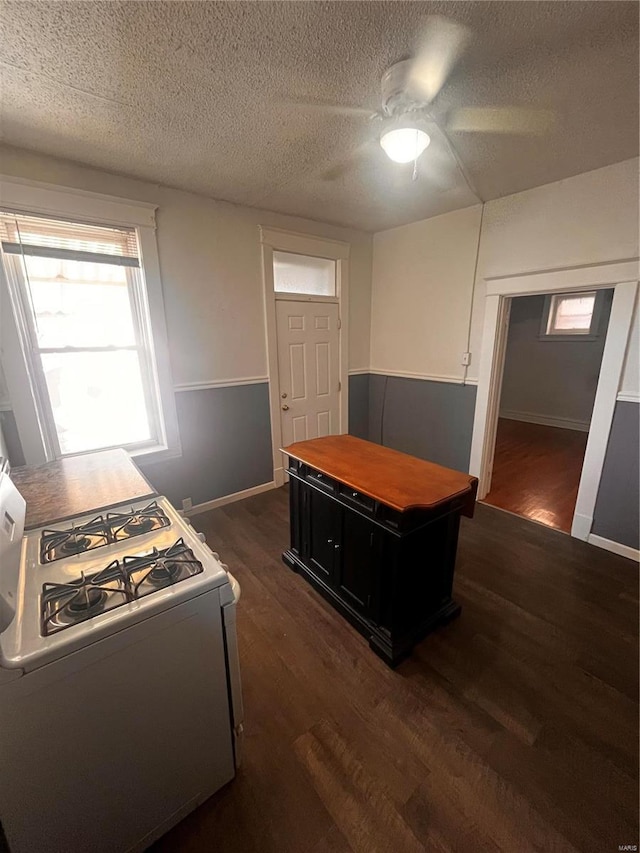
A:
[550,376]
[319,426]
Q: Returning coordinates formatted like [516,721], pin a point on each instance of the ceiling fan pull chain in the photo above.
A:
[414,176]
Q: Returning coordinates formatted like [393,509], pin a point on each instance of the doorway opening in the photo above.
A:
[553,356]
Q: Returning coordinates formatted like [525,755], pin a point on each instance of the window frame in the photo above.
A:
[25,380]
[550,311]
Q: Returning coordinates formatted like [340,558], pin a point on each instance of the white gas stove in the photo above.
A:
[122,618]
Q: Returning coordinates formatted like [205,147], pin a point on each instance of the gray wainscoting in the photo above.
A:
[226,445]
[431,420]
[617,511]
[359,405]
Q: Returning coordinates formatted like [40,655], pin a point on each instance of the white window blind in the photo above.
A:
[40,236]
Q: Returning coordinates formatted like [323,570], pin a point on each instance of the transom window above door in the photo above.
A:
[303,275]
[79,296]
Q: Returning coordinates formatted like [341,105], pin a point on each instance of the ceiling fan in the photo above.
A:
[405,121]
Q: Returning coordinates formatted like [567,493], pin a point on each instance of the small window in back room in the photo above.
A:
[571,314]
[303,274]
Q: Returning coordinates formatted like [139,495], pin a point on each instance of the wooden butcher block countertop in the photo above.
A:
[78,484]
[395,479]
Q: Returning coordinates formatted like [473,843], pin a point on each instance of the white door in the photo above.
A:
[309,369]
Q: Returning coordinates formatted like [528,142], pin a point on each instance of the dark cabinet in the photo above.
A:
[390,573]
[323,535]
[354,579]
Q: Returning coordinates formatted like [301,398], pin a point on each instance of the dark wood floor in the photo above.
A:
[536,472]
[514,728]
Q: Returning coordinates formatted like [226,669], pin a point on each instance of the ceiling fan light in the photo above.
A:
[404,144]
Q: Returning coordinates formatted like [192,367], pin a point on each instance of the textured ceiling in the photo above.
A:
[189,95]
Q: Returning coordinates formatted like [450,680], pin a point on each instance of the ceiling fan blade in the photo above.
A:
[517,120]
[327,106]
[441,45]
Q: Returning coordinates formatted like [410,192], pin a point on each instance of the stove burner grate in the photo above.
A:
[161,568]
[56,544]
[123,525]
[67,604]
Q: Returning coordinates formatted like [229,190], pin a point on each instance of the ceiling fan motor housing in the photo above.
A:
[396,92]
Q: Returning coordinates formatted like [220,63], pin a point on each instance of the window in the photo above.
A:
[79,294]
[303,274]
[571,315]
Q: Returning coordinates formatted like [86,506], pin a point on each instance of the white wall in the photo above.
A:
[211,270]
[587,219]
[423,272]
[421,293]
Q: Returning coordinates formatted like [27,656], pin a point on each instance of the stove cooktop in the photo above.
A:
[125,574]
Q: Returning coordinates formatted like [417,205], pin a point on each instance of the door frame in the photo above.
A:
[623,278]
[277,240]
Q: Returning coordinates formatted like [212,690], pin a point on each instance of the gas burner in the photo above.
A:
[139,524]
[164,573]
[67,604]
[160,569]
[123,525]
[87,601]
[56,544]
[75,544]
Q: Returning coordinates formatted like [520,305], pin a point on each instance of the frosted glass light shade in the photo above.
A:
[404,144]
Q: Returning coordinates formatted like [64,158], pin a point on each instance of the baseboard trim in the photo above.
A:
[581,527]
[614,547]
[545,420]
[628,398]
[359,371]
[196,509]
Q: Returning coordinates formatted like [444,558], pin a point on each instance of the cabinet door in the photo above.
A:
[323,514]
[358,565]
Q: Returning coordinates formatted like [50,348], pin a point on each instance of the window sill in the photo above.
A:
[156,453]
[569,338]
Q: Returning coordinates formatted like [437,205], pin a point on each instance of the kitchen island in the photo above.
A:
[78,484]
[375,531]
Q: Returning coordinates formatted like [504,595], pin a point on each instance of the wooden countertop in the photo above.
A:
[393,478]
[78,484]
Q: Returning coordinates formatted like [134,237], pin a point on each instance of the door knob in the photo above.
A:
[285,408]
